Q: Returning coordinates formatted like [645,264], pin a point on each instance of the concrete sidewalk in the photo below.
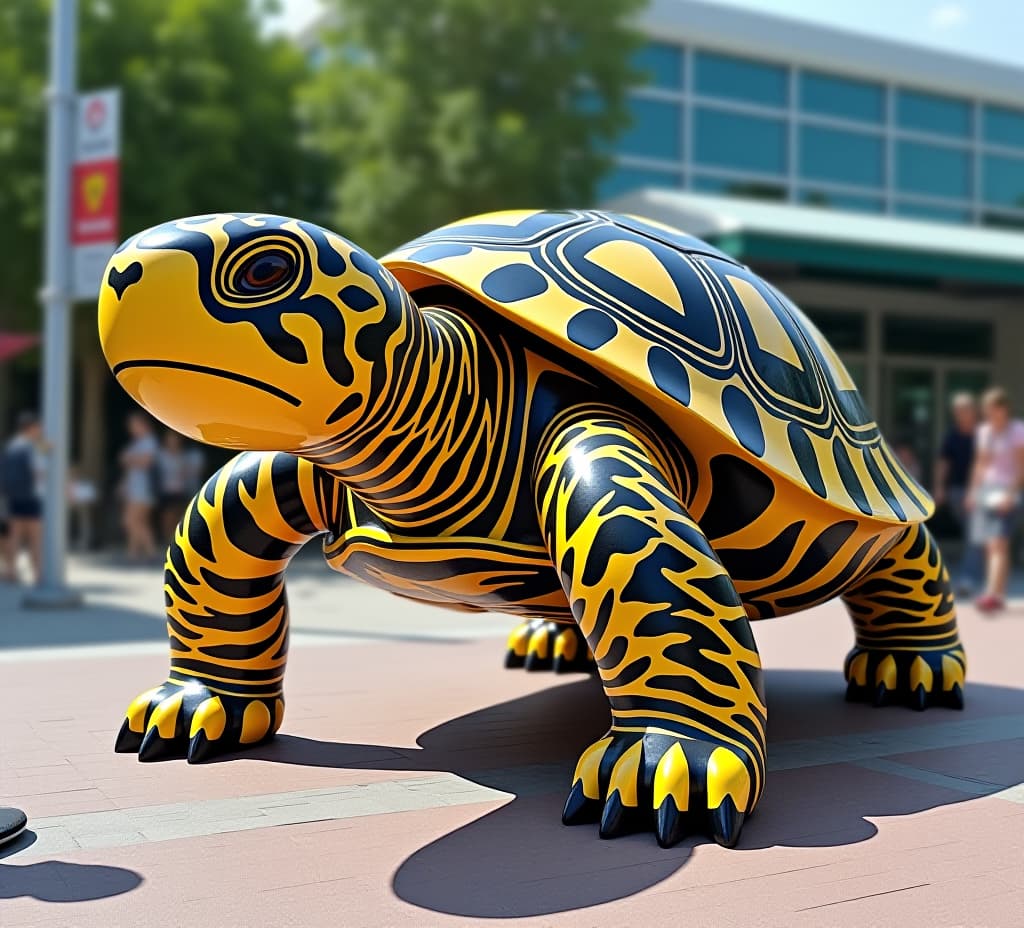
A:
[417,783]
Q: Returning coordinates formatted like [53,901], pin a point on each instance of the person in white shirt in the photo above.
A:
[138,493]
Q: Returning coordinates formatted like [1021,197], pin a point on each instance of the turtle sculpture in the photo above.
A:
[591,421]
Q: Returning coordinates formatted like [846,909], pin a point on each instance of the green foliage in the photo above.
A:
[209,118]
[429,110]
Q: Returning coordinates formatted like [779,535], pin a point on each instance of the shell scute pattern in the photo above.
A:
[719,355]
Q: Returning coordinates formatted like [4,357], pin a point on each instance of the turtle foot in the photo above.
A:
[918,679]
[540,644]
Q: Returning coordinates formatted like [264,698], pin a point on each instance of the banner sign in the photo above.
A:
[95,189]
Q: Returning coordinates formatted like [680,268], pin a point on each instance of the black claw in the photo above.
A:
[670,826]
[127,741]
[854,693]
[614,817]
[726,823]
[580,809]
[513,660]
[155,748]
[919,698]
[535,663]
[201,748]
[881,695]
[957,697]
[561,665]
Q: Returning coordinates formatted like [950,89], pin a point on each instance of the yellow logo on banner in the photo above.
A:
[94,186]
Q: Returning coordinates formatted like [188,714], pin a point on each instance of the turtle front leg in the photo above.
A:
[542,644]
[686,749]
[227,614]
[908,649]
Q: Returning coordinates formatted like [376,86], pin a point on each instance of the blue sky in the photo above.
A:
[991,29]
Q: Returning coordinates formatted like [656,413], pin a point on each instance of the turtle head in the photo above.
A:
[251,331]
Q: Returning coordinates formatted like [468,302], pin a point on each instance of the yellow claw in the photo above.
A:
[625,774]
[278,714]
[539,643]
[136,713]
[165,716]
[255,722]
[210,718]
[727,776]
[672,778]
[921,675]
[565,646]
[519,640]
[589,766]
[859,669]
[952,673]
[886,672]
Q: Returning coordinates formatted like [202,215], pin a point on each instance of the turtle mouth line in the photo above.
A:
[213,371]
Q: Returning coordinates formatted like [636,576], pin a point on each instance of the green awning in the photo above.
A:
[831,240]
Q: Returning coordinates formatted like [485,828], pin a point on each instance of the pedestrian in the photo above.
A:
[7,571]
[24,464]
[994,497]
[952,479]
[179,475]
[138,491]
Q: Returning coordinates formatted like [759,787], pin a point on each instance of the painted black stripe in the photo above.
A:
[213,371]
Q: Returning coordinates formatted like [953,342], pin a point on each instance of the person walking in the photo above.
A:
[994,496]
[952,480]
[24,465]
[138,461]
[179,476]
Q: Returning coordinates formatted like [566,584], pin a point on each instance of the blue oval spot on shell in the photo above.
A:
[669,374]
[357,298]
[806,459]
[591,328]
[514,282]
[742,418]
[849,476]
[436,252]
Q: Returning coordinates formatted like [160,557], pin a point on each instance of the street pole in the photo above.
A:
[52,591]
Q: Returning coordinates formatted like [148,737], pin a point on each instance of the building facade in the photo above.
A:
[880,184]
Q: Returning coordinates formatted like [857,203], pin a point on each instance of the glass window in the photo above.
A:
[662,65]
[752,189]
[844,329]
[930,211]
[927,112]
[741,79]
[941,172]
[848,157]
[655,132]
[1003,126]
[731,140]
[624,178]
[838,96]
[948,338]
[1003,181]
[815,196]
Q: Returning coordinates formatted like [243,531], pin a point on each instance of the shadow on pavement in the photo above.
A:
[59,881]
[89,625]
[520,861]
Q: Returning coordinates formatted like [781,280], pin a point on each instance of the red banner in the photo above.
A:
[94,202]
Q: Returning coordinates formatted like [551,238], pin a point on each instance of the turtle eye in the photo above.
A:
[264,272]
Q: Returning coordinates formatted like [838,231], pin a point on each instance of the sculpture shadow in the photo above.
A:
[520,861]
[58,880]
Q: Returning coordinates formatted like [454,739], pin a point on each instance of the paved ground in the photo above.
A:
[416,783]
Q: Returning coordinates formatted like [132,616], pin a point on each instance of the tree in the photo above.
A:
[209,123]
[429,110]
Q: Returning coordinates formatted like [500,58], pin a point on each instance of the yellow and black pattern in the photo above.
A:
[594,423]
[666,627]
[908,649]
[227,614]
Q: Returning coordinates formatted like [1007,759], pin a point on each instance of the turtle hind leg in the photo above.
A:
[907,650]
[542,644]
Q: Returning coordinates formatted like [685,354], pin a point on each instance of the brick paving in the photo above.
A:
[416,783]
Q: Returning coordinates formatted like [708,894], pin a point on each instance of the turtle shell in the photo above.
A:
[688,332]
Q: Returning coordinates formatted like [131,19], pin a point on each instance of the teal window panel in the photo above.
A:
[1003,181]
[930,211]
[1003,126]
[828,95]
[662,65]
[751,188]
[949,338]
[812,196]
[927,112]
[933,169]
[625,178]
[741,79]
[656,131]
[739,141]
[846,157]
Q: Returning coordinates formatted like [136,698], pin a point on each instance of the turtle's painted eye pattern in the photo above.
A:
[264,272]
